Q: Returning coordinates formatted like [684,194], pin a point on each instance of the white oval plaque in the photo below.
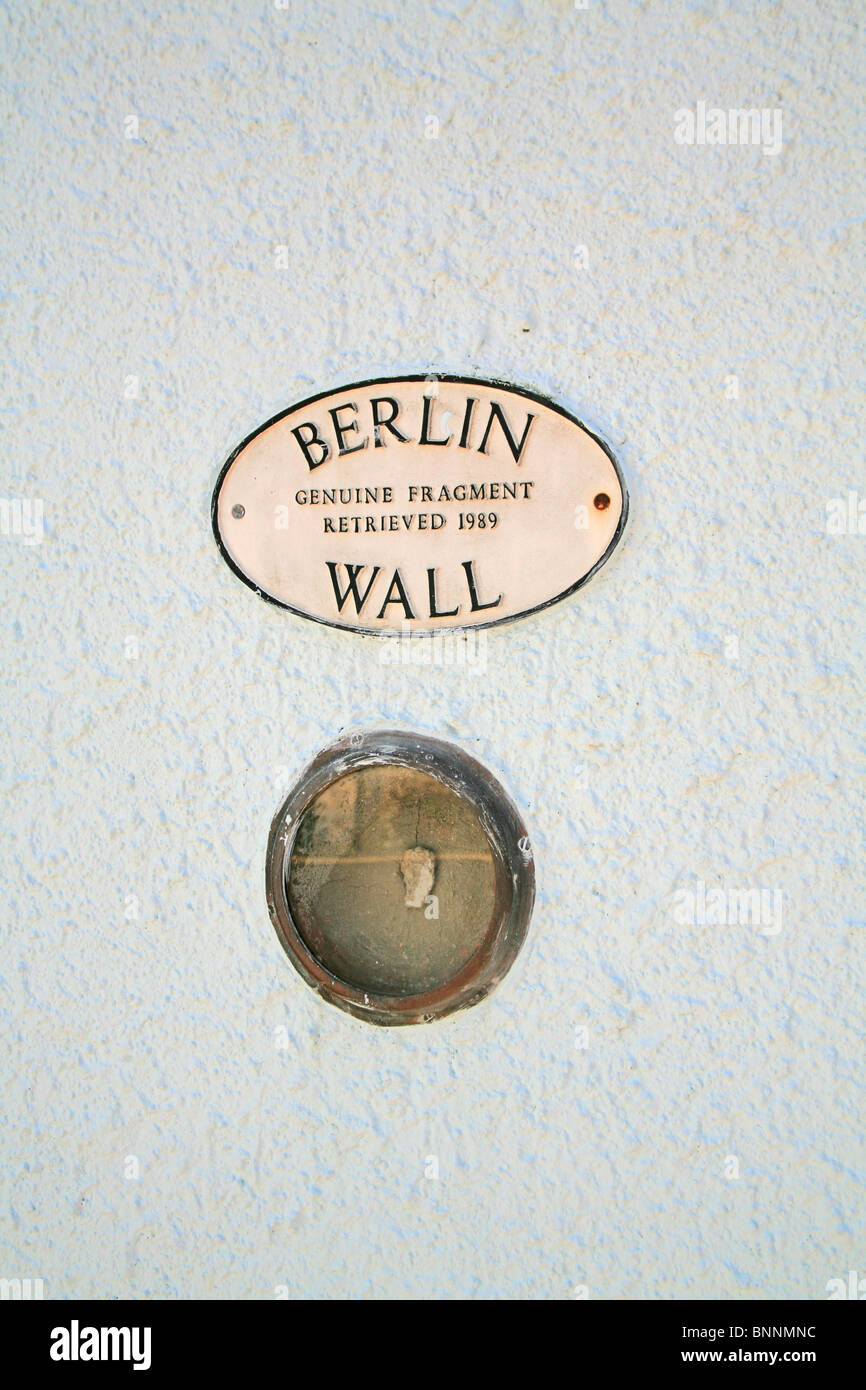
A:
[417,503]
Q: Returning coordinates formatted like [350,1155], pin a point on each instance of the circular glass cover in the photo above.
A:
[392,883]
[400,878]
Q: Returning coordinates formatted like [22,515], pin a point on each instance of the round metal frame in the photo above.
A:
[513,866]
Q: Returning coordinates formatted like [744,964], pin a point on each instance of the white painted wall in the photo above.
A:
[646,748]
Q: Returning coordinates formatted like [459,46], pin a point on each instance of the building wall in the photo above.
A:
[214,211]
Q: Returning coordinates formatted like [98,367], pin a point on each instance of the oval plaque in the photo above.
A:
[418,503]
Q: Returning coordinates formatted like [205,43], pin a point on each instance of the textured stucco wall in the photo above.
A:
[143,985]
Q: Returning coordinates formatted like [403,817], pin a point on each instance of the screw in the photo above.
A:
[601,501]
[238,511]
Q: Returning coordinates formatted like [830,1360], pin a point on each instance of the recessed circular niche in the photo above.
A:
[400,878]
